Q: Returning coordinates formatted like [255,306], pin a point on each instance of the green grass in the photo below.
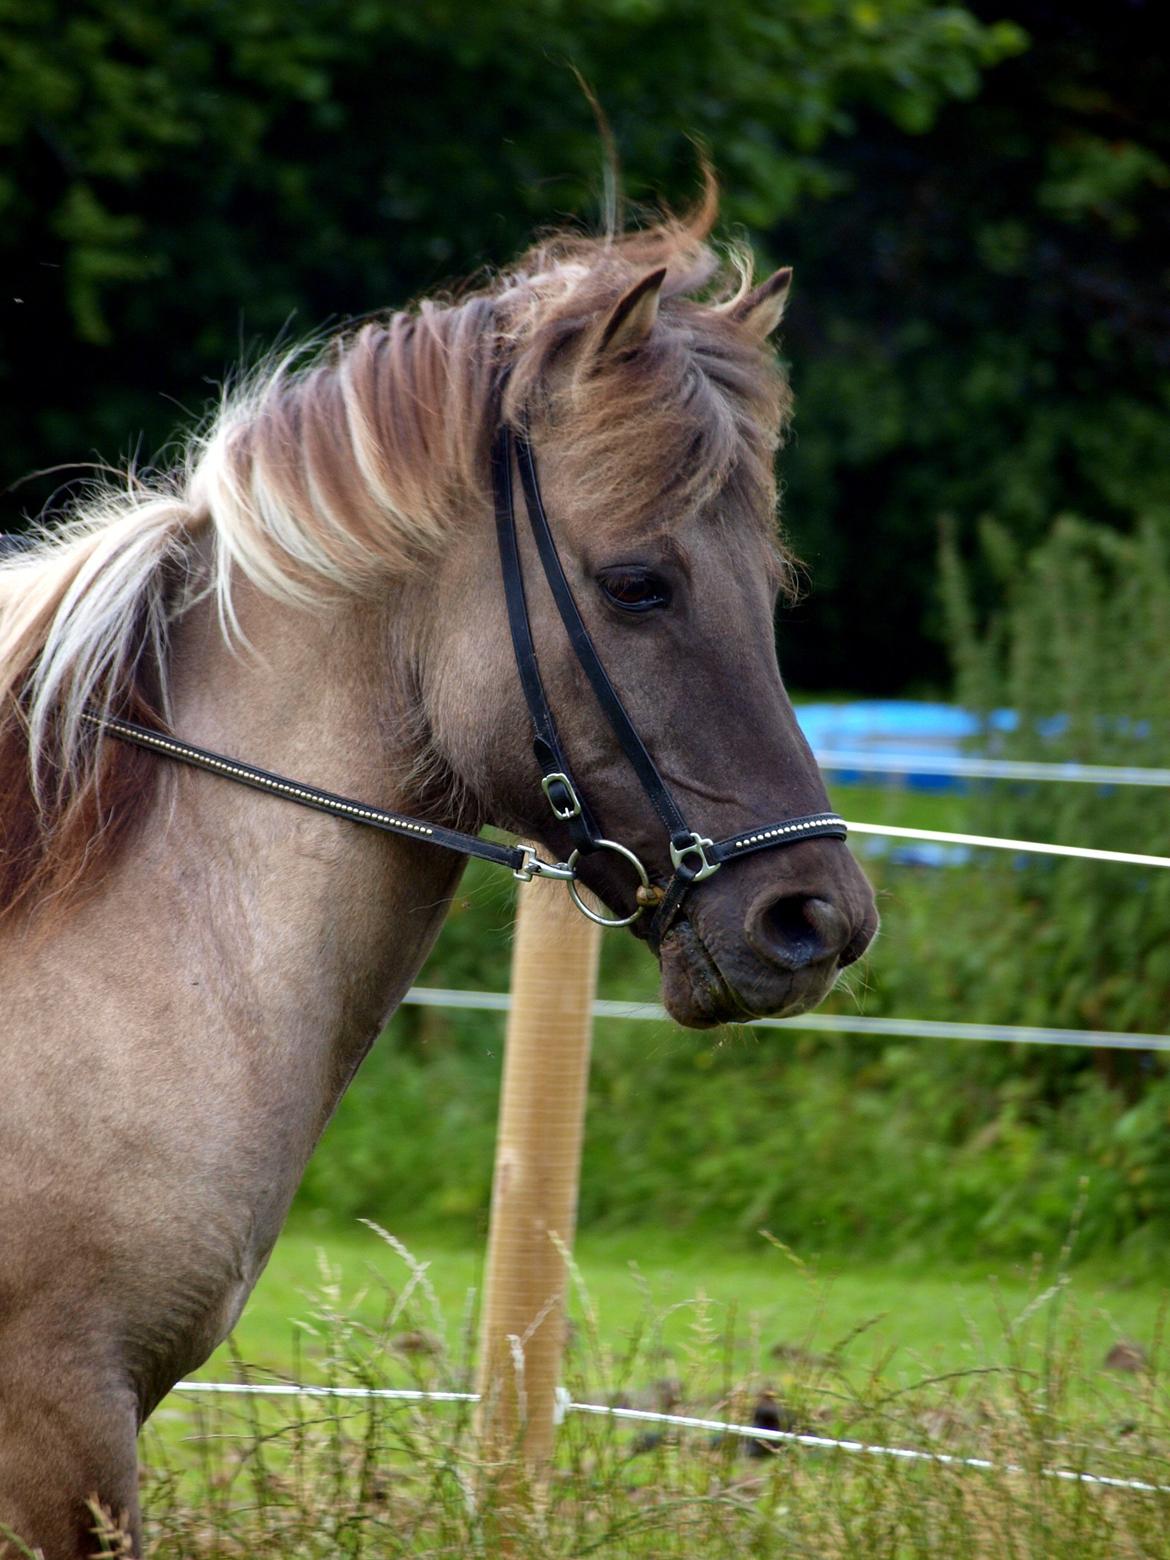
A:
[913,1322]
[1008,1368]
[896,803]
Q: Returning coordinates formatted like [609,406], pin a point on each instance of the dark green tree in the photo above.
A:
[182,182]
[983,328]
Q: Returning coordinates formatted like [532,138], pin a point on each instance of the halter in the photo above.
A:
[694,857]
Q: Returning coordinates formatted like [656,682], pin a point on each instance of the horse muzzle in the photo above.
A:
[722,963]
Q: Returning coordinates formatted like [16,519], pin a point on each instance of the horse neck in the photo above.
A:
[183,1032]
[311,928]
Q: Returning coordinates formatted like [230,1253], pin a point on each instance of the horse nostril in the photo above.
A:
[798,930]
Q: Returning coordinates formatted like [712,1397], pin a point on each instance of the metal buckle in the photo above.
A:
[592,915]
[573,810]
[533,866]
[698,847]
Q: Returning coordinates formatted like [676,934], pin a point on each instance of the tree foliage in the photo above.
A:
[183,183]
[975,206]
[987,334]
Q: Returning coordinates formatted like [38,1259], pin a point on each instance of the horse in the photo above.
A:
[192,970]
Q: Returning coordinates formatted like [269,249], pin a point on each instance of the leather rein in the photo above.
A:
[694,857]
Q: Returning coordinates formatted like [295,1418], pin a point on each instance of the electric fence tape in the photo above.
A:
[677,1421]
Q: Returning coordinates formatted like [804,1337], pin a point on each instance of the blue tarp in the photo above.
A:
[896,726]
[899,726]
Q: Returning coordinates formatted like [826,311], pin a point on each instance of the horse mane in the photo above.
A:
[333,466]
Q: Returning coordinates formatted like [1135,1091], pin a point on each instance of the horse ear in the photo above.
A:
[632,318]
[762,309]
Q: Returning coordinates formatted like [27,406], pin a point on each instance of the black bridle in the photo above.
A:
[694,857]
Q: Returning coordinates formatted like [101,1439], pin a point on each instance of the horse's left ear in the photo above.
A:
[632,317]
[762,309]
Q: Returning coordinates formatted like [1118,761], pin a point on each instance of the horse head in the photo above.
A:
[345,507]
[654,419]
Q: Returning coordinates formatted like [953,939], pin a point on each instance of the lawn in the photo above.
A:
[1010,1367]
[904,1323]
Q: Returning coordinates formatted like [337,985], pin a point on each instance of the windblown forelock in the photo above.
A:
[657,436]
[693,415]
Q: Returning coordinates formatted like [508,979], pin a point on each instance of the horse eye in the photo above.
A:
[635,590]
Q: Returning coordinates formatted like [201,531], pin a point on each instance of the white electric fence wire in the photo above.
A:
[861,761]
[1021,847]
[680,1422]
[825,1023]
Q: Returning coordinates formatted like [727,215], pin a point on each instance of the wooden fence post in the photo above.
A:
[537,1173]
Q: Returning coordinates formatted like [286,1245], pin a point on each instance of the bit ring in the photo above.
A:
[601,920]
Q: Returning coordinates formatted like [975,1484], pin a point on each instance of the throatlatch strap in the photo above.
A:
[543,725]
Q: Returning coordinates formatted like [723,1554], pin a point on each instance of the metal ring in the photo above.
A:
[601,920]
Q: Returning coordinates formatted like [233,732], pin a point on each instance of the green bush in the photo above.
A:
[1078,647]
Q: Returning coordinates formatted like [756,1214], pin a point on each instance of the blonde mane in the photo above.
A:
[325,472]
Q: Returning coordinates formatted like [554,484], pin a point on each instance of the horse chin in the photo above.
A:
[698,994]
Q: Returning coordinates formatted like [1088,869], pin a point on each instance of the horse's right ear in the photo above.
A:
[632,318]
[762,309]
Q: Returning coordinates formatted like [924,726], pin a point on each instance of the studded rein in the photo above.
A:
[694,857]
